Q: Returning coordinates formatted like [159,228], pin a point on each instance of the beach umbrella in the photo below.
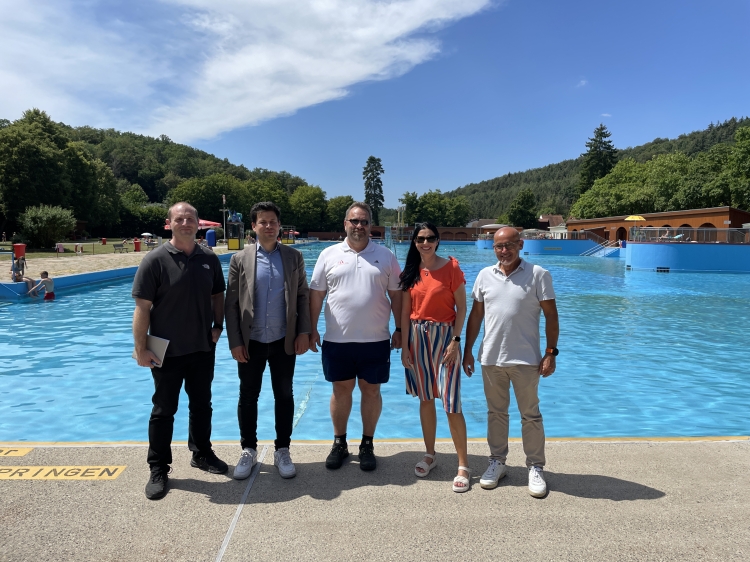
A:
[635,218]
[202,224]
[146,234]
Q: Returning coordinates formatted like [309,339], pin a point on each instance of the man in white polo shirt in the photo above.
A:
[356,274]
[510,296]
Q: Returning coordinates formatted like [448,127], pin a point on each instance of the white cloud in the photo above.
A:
[582,83]
[54,60]
[196,68]
[606,115]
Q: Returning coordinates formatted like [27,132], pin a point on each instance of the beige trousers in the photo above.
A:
[525,380]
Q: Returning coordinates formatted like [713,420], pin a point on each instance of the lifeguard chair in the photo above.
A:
[288,234]
[235,232]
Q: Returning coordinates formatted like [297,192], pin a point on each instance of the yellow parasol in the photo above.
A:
[635,218]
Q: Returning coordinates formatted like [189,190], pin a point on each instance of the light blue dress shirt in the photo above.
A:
[269,305]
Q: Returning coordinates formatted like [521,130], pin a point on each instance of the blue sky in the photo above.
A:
[445,92]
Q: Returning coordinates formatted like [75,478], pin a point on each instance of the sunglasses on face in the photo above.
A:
[428,239]
[357,222]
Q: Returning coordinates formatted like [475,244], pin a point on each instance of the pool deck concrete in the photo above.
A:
[608,500]
[72,265]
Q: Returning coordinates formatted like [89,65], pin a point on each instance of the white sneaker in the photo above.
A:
[284,463]
[245,464]
[493,474]
[537,485]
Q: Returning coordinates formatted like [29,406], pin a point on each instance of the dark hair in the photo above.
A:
[264,206]
[410,275]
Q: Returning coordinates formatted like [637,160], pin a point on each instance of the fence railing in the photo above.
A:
[687,234]
[569,235]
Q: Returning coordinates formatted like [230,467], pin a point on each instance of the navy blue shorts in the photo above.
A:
[370,361]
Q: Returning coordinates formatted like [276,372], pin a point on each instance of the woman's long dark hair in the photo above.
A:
[410,275]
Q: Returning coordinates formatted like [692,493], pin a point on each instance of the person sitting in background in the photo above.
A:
[45,283]
[18,277]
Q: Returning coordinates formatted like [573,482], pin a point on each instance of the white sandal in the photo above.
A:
[462,480]
[424,466]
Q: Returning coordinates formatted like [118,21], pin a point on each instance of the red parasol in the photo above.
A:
[201,224]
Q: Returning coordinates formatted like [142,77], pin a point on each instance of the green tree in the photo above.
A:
[457,211]
[373,186]
[32,166]
[308,203]
[336,211]
[522,211]
[107,204]
[205,194]
[665,176]
[44,225]
[432,208]
[269,189]
[738,169]
[621,192]
[598,160]
[410,200]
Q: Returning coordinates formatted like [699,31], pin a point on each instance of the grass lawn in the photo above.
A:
[89,248]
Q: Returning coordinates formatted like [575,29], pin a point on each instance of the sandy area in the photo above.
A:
[84,264]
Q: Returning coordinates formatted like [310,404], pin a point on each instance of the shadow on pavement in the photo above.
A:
[315,481]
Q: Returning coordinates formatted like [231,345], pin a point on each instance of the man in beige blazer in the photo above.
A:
[268,322]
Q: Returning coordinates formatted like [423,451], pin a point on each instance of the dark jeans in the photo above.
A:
[251,379]
[197,370]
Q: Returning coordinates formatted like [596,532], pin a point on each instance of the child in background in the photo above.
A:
[45,283]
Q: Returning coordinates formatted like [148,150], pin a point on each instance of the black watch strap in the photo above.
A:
[552,351]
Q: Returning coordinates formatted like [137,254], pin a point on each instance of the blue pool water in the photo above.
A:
[642,354]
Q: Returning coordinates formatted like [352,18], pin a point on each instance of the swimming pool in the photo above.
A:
[642,354]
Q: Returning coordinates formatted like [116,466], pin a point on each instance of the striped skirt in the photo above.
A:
[431,378]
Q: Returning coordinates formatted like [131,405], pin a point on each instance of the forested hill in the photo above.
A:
[555,185]
[158,164]
[119,183]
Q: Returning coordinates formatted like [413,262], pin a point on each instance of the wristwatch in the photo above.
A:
[456,338]
[552,351]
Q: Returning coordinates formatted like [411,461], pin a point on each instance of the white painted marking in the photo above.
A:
[236,517]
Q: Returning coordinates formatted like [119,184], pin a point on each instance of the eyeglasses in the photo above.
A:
[506,246]
[428,239]
[357,222]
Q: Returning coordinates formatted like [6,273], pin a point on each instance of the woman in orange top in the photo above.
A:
[434,309]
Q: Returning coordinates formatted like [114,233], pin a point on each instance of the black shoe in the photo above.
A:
[367,457]
[210,462]
[157,483]
[337,455]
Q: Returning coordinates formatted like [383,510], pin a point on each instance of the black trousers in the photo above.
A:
[251,379]
[197,370]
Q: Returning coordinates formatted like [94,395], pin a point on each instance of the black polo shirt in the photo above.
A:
[180,288]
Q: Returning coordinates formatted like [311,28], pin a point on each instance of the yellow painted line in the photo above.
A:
[623,439]
[60,472]
[15,452]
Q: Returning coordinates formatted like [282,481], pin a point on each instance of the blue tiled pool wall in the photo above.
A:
[688,257]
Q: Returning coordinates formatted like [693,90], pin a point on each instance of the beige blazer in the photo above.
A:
[238,305]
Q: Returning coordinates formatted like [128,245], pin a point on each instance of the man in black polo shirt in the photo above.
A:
[179,295]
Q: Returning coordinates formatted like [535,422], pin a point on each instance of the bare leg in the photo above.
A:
[372,404]
[457,425]
[429,427]
[341,405]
